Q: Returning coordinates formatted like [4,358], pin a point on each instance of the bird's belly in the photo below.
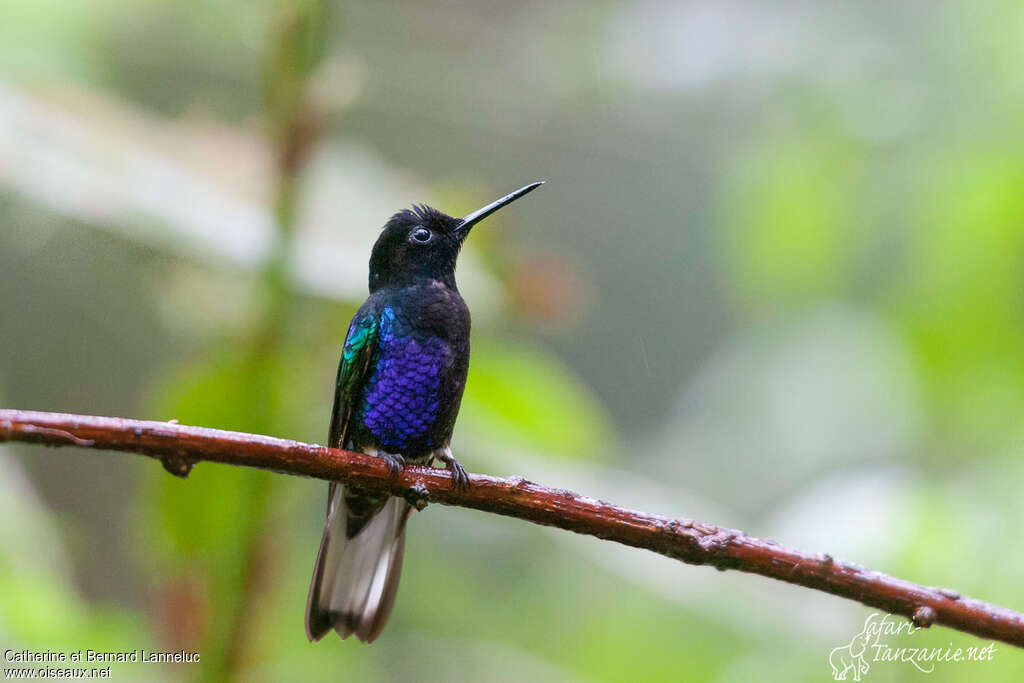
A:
[404,393]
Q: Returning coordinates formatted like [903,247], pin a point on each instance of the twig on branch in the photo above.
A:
[686,540]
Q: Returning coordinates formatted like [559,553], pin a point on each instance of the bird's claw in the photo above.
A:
[460,480]
[396,463]
[418,496]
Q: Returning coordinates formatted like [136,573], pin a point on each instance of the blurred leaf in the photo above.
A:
[517,394]
[40,608]
[199,534]
[963,304]
[967,511]
[787,213]
[231,390]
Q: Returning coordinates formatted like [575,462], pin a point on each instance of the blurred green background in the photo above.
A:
[775,281]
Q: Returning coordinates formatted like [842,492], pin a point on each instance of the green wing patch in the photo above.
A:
[355,360]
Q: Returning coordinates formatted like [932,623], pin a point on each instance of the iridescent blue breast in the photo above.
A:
[402,394]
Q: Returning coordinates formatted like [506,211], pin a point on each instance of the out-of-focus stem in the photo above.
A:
[296,45]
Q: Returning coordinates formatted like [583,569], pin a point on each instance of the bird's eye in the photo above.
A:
[420,235]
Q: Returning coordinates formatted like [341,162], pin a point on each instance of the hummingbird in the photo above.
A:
[400,382]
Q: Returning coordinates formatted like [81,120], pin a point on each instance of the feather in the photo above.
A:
[356,579]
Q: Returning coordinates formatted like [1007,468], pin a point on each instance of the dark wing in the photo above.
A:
[360,345]
[356,355]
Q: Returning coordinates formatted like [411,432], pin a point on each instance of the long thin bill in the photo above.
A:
[480,214]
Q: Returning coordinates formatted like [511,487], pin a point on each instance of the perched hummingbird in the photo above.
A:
[400,381]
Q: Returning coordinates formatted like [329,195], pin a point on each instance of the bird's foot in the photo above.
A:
[418,496]
[460,480]
[396,463]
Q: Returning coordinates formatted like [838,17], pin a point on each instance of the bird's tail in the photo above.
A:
[356,578]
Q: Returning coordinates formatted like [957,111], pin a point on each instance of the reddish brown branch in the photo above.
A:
[683,539]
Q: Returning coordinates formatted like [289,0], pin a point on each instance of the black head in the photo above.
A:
[423,243]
